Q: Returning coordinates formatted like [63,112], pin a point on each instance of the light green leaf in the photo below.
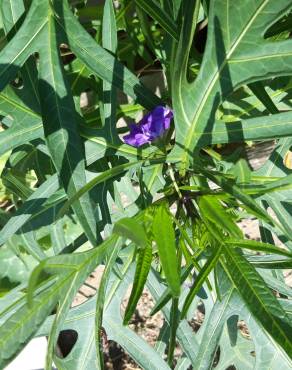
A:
[142,269]
[108,174]
[81,319]
[32,206]
[201,278]
[214,325]
[166,296]
[100,300]
[164,237]
[259,299]
[236,53]
[133,230]
[257,246]
[214,211]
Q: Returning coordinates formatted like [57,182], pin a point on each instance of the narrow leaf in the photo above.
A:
[102,62]
[258,246]
[213,209]
[166,296]
[158,14]
[60,127]
[200,279]
[131,229]
[31,206]
[165,239]
[258,297]
[100,299]
[141,273]
[108,174]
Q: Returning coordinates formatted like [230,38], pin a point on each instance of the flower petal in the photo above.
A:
[151,126]
[136,140]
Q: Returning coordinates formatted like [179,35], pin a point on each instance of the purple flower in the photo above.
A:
[151,126]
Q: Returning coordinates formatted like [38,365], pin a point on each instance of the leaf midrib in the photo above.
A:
[19,106]
[255,293]
[213,80]
[51,292]
[221,316]
[128,81]
[24,47]
[25,65]
[50,34]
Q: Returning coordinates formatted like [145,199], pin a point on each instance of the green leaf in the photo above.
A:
[257,246]
[109,104]
[31,246]
[69,272]
[274,282]
[252,129]
[79,272]
[236,54]
[81,319]
[259,90]
[164,237]
[27,40]
[214,325]
[108,174]
[11,12]
[109,31]
[259,299]
[180,63]
[271,262]
[13,56]
[25,124]
[214,211]
[158,14]
[14,265]
[133,230]
[17,135]
[221,319]
[187,340]
[173,323]
[101,62]
[282,210]
[60,127]
[241,171]
[166,296]
[142,269]
[32,206]
[201,278]
[246,199]
[100,299]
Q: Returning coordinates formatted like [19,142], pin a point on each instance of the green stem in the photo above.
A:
[172,176]
[174,317]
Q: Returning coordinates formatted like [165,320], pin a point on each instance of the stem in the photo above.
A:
[174,317]
[171,173]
